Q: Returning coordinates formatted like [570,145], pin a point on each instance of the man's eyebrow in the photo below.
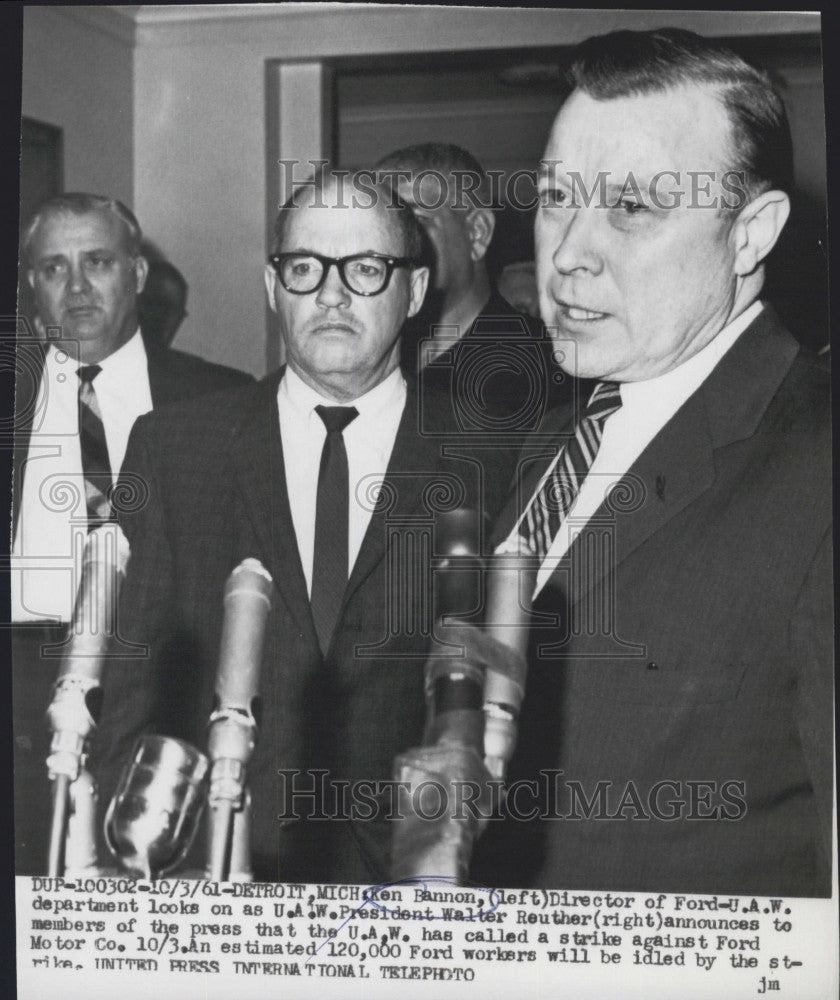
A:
[628,186]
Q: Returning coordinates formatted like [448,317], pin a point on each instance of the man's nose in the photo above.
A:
[333,292]
[77,280]
[576,249]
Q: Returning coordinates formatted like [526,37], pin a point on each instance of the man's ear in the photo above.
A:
[30,277]
[757,229]
[418,283]
[480,225]
[270,277]
[141,272]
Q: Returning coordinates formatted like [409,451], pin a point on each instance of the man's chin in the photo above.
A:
[82,329]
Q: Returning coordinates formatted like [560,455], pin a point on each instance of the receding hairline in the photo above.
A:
[724,157]
[84,205]
[396,215]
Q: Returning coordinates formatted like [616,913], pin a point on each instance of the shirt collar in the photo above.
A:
[125,362]
[304,398]
[691,373]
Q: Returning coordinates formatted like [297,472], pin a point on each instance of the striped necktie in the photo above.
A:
[96,465]
[332,517]
[556,496]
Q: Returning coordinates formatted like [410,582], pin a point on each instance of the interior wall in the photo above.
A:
[200,125]
[80,79]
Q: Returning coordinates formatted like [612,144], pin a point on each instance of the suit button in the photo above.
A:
[652,666]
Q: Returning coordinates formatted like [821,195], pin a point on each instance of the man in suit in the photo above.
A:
[79,389]
[492,361]
[288,472]
[679,698]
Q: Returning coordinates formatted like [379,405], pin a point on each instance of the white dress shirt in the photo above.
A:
[368,440]
[646,407]
[52,521]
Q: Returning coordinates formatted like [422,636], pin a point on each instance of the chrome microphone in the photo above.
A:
[510,588]
[233,724]
[77,699]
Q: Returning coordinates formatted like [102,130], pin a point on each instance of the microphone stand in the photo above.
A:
[76,701]
[453,742]
[233,726]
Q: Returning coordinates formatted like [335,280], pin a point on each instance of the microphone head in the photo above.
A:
[249,577]
[457,561]
[458,532]
[108,545]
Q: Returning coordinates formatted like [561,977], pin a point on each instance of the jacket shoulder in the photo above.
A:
[204,418]
[192,370]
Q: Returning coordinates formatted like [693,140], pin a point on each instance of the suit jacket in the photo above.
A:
[173,375]
[217,493]
[681,672]
[500,377]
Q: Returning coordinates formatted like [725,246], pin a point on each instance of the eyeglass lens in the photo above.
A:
[365,275]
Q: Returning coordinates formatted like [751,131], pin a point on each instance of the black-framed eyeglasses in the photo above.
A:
[362,273]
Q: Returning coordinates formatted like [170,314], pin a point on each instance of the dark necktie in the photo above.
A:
[557,494]
[96,466]
[332,515]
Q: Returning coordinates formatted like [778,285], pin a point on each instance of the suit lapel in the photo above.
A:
[678,465]
[257,466]
[531,465]
[414,459]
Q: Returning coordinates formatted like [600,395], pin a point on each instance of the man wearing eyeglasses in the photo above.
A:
[289,472]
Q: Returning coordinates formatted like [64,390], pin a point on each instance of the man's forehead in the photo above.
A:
[338,220]
[683,128]
[97,227]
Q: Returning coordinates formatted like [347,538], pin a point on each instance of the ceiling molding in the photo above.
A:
[117,23]
[536,106]
[459,27]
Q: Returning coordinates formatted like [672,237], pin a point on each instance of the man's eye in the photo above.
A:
[301,267]
[367,268]
[54,269]
[99,261]
[553,198]
[630,207]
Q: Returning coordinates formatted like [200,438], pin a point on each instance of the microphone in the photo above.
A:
[453,742]
[77,698]
[454,686]
[510,586]
[233,724]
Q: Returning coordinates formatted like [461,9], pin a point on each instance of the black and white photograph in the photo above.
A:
[421,539]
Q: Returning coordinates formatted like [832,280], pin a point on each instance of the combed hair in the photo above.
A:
[442,157]
[81,203]
[402,216]
[627,63]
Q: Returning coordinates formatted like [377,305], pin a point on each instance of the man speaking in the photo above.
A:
[681,686]
[321,473]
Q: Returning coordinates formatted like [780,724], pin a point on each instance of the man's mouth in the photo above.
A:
[342,328]
[578,313]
